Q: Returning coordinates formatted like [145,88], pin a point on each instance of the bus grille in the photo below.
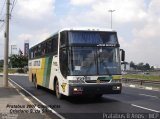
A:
[95,81]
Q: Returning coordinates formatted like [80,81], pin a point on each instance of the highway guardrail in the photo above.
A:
[142,82]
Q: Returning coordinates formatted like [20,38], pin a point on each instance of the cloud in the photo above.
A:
[145,42]
[125,10]
[33,38]
[137,22]
[154,7]
[35,9]
[143,19]
[32,20]
[81,2]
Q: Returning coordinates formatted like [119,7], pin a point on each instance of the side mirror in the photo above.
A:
[122,54]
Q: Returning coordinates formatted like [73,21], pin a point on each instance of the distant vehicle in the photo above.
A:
[78,62]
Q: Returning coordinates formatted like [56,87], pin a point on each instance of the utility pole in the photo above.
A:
[13,48]
[6,43]
[111,16]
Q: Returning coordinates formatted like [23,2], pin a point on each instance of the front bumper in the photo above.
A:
[93,89]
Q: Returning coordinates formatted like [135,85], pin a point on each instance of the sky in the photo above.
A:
[137,23]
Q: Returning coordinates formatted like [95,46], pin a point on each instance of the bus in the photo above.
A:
[78,61]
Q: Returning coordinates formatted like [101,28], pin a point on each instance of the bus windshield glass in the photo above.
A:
[92,37]
[94,61]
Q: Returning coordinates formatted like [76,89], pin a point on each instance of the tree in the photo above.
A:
[1,63]
[147,66]
[140,66]
[152,68]
[132,65]
[18,61]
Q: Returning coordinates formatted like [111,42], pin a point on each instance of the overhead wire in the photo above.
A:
[13,5]
[1,13]
[1,27]
[2,16]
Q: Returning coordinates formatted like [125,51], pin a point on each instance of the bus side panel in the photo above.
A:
[47,71]
[54,72]
[32,70]
[30,74]
[40,72]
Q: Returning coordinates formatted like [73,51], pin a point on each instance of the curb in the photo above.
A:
[140,87]
[36,99]
[17,74]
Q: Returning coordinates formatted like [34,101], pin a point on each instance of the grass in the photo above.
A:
[141,76]
[9,70]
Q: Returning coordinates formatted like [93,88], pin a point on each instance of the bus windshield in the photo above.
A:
[92,37]
[89,53]
[94,61]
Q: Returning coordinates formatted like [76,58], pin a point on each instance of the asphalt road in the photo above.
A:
[131,100]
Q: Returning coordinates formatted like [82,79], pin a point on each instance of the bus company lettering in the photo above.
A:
[109,45]
[37,63]
[55,63]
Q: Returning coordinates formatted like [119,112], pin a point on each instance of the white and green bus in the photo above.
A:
[78,62]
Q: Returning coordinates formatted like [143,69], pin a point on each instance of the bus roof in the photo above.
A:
[77,29]
[86,29]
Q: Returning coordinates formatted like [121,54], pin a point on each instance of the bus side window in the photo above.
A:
[49,46]
[63,39]
[64,62]
[39,50]
[55,44]
[31,55]
[43,49]
[35,52]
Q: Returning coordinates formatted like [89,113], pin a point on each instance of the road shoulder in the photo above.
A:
[13,104]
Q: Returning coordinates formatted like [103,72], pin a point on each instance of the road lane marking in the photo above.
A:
[25,98]
[148,88]
[132,86]
[145,108]
[53,111]
[149,95]
[141,87]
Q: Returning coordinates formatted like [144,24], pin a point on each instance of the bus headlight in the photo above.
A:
[77,89]
[116,88]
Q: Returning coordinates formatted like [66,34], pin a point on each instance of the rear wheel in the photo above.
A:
[58,94]
[35,82]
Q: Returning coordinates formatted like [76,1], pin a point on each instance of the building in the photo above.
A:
[125,66]
[26,48]
[14,50]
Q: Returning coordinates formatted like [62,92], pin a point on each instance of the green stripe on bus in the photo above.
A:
[45,71]
[48,71]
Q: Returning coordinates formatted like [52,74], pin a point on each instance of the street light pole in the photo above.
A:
[111,16]
[5,68]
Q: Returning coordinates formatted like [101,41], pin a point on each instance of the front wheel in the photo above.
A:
[58,94]
[98,96]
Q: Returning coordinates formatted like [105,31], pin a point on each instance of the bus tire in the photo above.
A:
[98,96]
[58,94]
[35,82]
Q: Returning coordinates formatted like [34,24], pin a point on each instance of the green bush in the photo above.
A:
[1,70]
[12,71]
[20,71]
